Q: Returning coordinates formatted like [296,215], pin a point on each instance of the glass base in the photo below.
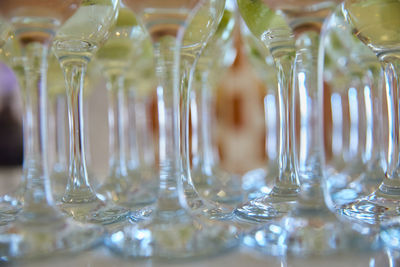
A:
[59,181]
[122,194]
[30,239]
[390,233]
[309,233]
[173,236]
[209,209]
[373,209]
[218,185]
[95,211]
[258,182]
[265,208]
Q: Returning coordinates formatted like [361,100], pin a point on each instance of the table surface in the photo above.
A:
[241,256]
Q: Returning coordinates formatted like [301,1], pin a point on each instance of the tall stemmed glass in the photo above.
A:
[210,180]
[74,46]
[57,127]
[355,81]
[40,229]
[194,43]
[171,231]
[380,32]
[115,58]
[310,227]
[276,35]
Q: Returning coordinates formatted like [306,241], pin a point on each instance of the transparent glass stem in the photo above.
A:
[391,183]
[60,131]
[286,184]
[78,187]
[117,117]
[187,72]
[310,144]
[170,198]
[137,116]
[38,199]
[206,150]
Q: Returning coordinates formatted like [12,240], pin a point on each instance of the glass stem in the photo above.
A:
[38,199]
[60,131]
[117,116]
[78,187]
[207,156]
[391,183]
[166,51]
[286,184]
[137,121]
[309,164]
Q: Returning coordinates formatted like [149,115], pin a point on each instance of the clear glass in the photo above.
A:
[57,128]
[355,159]
[310,228]
[11,203]
[171,232]
[273,31]
[211,181]
[115,57]
[40,229]
[382,205]
[258,182]
[193,47]
[74,46]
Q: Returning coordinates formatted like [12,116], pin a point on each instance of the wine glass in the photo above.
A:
[57,127]
[210,180]
[171,232]
[194,43]
[270,28]
[258,182]
[74,46]
[310,227]
[40,229]
[115,58]
[355,158]
[379,32]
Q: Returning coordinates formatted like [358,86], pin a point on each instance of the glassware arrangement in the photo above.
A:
[40,229]
[332,189]
[310,227]
[171,232]
[74,47]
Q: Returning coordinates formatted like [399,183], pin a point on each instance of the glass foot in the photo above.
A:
[173,237]
[264,209]
[314,234]
[390,233]
[209,209]
[31,239]
[258,182]
[219,186]
[96,212]
[124,194]
[373,209]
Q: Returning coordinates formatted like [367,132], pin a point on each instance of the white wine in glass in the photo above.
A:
[75,45]
[171,231]
[40,229]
